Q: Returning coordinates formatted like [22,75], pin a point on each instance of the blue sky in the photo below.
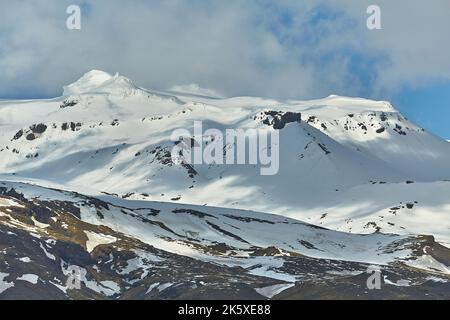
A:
[281,49]
[429,106]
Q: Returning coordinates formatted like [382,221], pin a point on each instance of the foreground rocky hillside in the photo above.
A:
[144,250]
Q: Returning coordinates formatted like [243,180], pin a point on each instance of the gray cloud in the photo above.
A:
[288,48]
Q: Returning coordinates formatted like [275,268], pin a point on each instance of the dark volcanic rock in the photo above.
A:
[279,119]
[18,135]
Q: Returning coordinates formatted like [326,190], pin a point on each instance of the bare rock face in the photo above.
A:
[32,133]
[279,119]
[69,102]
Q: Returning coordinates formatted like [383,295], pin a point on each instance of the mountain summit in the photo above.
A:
[97,81]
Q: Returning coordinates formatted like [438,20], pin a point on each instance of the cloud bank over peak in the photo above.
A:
[287,48]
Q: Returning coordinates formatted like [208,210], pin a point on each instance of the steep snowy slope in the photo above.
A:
[346,165]
[385,134]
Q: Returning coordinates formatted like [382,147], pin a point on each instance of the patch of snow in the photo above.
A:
[4,285]
[31,278]
[399,283]
[39,224]
[428,263]
[272,291]
[164,286]
[48,254]
[60,287]
[151,287]
[111,285]
[143,261]
[345,272]
[437,279]
[5,202]
[51,242]
[108,291]
[96,239]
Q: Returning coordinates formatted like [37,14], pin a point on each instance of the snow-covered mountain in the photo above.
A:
[350,164]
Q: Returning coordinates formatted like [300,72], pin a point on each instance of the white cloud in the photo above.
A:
[292,49]
[195,89]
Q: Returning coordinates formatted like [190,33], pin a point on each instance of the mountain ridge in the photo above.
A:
[358,183]
[121,147]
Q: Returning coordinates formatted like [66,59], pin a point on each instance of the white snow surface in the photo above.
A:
[96,239]
[238,229]
[5,285]
[272,291]
[31,278]
[353,165]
